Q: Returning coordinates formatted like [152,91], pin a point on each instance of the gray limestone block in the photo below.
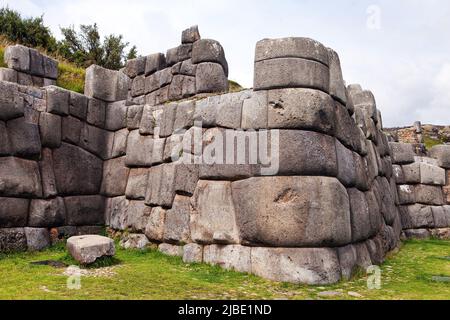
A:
[24,138]
[134,116]
[120,143]
[319,157]
[347,259]
[77,172]
[442,154]
[50,129]
[155,62]
[78,105]
[346,165]
[96,114]
[186,178]
[171,250]
[85,210]
[188,68]
[13,212]
[154,229]
[406,194]
[47,213]
[138,86]
[189,86]
[71,130]
[166,120]
[411,173]
[206,111]
[178,54]
[137,183]
[255,111]
[431,195]
[360,216]
[57,100]
[116,214]
[365,100]
[116,116]
[416,216]
[173,148]
[229,257]
[346,130]
[213,217]
[47,174]
[177,221]
[50,69]
[115,176]
[159,147]
[135,67]
[176,68]
[401,153]
[11,103]
[9,75]
[106,85]
[24,79]
[97,141]
[161,186]
[417,234]
[193,253]
[37,238]
[291,73]
[210,78]
[207,50]
[17,57]
[432,175]
[138,215]
[190,35]
[304,48]
[362,180]
[176,88]
[337,84]
[184,117]
[441,216]
[317,266]
[272,211]
[301,109]
[36,63]
[151,83]
[139,150]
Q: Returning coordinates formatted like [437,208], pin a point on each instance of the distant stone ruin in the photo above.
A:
[293,180]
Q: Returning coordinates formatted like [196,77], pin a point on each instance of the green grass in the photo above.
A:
[70,77]
[2,55]
[151,275]
[234,86]
[430,142]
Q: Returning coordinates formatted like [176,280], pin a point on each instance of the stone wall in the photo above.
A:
[292,180]
[422,184]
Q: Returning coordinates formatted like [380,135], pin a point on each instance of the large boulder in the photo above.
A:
[211,78]
[207,50]
[13,212]
[292,211]
[213,218]
[18,58]
[401,153]
[319,266]
[77,172]
[87,249]
[19,178]
[106,85]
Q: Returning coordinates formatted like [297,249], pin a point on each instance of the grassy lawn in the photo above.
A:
[151,275]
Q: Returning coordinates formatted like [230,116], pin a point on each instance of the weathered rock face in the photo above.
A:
[87,249]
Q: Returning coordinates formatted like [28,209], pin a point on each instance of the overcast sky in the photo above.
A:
[398,49]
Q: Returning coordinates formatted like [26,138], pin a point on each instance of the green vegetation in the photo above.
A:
[2,56]
[71,77]
[430,142]
[234,86]
[82,48]
[151,275]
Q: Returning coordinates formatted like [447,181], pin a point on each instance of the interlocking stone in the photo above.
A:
[50,130]
[13,212]
[19,178]
[137,184]
[190,35]
[178,54]
[47,213]
[442,154]
[57,100]
[417,216]
[78,105]
[37,238]
[431,195]
[207,50]
[193,253]
[106,85]
[176,224]
[18,58]
[116,116]
[47,174]
[116,213]
[155,62]
[296,265]
[134,115]
[115,176]
[210,78]
[401,153]
[155,225]
[138,215]
[139,150]
[360,216]
[213,218]
[347,260]
[134,241]
[304,48]
[291,73]
[135,67]
[87,249]
[231,257]
[273,211]
[11,104]
[301,109]
[85,210]
[96,114]
[24,138]
[171,250]
[9,75]
[337,84]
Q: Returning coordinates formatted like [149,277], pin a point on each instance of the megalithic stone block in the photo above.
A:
[207,50]
[285,211]
[24,138]
[442,154]
[211,78]
[190,35]
[106,85]
[13,212]
[19,178]
[337,85]
[11,103]
[18,58]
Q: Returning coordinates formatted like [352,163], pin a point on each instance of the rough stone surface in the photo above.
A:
[24,138]
[106,85]
[213,219]
[139,150]
[286,211]
[190,35]
[442,154]
[13,240]
[57,100]
[232,257]
[402,153]
[18,58]
[50,130]
[291,73]
[134,241]
[87,249]
[155,225]
[13,212]
[37,238]
[210,78]
[297,265]
[193,253]
[207,50]
[176,224]
[115,176]
[19,178]
[85,210]
[47,213]
[171,250]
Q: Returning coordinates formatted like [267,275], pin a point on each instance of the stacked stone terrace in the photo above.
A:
[292,180]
